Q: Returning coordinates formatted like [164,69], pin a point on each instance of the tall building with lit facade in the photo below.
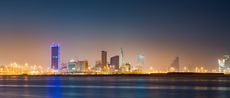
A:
[114,61]
[55,56]
[224,63]
[103,59]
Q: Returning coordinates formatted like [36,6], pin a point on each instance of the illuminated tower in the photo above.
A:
[103,59]
[224,63]
[221,63]
[55,56]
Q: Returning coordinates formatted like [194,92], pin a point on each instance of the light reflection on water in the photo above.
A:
[58,87]
[114,87]
[55,90]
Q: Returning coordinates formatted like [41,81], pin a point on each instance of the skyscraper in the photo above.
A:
[114,61]
[55,56]
[121,58]
[103,59]
[140,59]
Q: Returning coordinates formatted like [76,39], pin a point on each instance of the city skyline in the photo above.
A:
[56,61]
[114,48]
[196,31]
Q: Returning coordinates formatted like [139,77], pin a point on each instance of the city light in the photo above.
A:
[23,69]
[74,67]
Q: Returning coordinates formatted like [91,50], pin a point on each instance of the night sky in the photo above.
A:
[198,31]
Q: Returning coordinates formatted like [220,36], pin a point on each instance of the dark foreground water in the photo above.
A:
[114,87]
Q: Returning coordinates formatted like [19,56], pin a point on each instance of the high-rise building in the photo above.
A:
[114,61]
[103,59]
[224,63]
[55,56]
[121,58]
[175,66]
[140,60]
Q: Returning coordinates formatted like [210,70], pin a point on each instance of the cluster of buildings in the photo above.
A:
[15,69]
[107,65]
[116,64]
[175,67]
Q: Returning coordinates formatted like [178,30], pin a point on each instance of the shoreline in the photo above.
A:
[169,74]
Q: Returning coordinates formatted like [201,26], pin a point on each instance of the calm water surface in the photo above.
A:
[113,87]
